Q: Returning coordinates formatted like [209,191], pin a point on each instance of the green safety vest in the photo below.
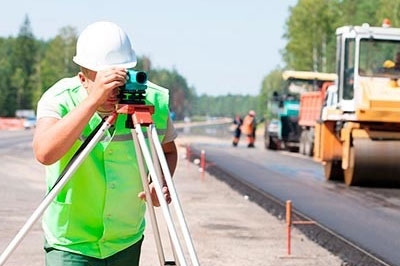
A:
[98,212]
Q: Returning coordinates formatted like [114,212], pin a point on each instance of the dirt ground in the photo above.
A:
[229,229]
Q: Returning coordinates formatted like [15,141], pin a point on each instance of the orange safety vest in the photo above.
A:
[248,125]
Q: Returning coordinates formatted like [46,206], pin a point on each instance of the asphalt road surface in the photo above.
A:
[368,217]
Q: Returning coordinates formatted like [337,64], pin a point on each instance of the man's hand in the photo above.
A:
[103,87]
[154,198]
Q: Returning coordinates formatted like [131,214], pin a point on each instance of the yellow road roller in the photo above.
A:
[357,137]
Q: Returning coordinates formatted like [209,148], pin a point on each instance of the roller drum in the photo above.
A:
[375,163]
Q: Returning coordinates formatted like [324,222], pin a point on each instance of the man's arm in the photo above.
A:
[54,137]
[171,155]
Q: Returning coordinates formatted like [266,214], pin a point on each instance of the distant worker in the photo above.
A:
[389,64]
[237,122]
[249,128]
[393,67]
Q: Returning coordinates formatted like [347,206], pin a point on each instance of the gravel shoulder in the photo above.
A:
[229,229]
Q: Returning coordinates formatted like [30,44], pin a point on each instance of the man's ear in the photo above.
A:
[83,79]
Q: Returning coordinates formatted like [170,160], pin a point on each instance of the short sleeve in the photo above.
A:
[47,107]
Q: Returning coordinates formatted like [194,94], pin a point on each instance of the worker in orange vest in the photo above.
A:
[237,122]
[249,128]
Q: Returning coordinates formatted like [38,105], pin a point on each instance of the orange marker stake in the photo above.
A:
[202,161]
[289,224]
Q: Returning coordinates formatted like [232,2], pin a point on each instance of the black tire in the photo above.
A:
[309,144]
[333,171]
[272,144]
[269,143]
[302,144]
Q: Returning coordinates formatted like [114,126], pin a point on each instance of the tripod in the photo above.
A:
[137,116]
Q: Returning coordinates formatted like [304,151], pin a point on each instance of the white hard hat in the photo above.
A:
[104,45]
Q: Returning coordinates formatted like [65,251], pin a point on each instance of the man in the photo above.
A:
[249,128]
[237,122]
[98,217]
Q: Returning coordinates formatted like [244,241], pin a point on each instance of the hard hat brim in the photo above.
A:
[86,65]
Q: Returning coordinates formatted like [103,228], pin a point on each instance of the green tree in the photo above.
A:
[227,105]
[57,59]
[143,64]
[357,12]
[180,93]
[23,59]
[273,82]
[389,9]
[310,32]
[6,109]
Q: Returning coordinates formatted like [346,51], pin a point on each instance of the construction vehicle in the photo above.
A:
[310,107]
[357,137]
[285,129]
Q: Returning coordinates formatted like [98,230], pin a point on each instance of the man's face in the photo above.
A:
[88,80]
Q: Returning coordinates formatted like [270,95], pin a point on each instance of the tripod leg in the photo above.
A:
[158,188]
[159,173]
[149,203]
[70,170]
[174,196]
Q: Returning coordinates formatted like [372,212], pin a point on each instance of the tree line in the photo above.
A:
[29,66]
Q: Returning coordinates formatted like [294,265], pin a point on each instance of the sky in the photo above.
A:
[219,46]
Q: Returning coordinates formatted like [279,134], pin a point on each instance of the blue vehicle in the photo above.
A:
[29,122]
[284,131]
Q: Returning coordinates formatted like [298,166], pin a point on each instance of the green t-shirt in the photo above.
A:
[98,212]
